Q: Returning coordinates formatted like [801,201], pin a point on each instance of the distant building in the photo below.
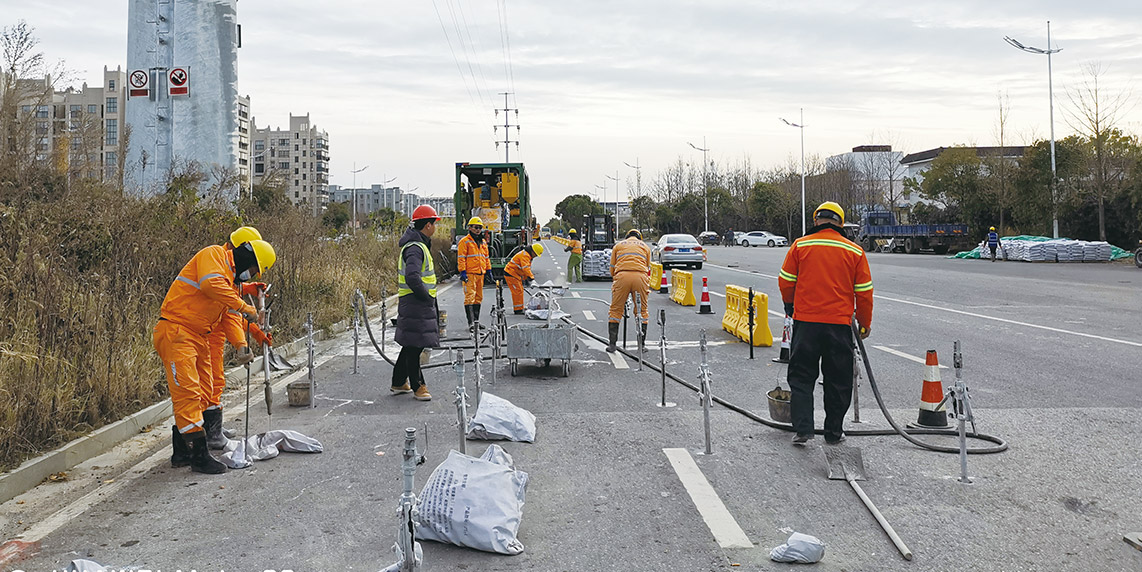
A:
[297,156]
[916,164]
[876,175]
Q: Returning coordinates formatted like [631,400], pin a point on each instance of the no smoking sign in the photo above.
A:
[139,80]
[179,80]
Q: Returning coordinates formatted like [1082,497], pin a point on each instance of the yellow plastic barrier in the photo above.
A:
[655,276]
[682,288]
[736,320]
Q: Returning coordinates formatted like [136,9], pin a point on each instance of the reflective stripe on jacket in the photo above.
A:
[472,257]
[520,266]
[825,276]
[992,239]
[427,271]
[576,247]
[631,254]
[203,291]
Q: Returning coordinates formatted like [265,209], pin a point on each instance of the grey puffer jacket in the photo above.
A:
[416,312]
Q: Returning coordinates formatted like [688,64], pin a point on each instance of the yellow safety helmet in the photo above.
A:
[537,248]
[830,207]
[634,232]
[993,229]
[476,221]
[265,255]
[572,231]
[243,235]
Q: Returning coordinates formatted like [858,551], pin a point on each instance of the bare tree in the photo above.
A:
[1000,169]
[27,84]
[1095,114]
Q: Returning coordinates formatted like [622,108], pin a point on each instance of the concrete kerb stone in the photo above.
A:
[33,471]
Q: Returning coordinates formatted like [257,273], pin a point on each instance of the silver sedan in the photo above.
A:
[678,250]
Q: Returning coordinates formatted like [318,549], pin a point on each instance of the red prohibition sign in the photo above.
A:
[138,79]
[178,77]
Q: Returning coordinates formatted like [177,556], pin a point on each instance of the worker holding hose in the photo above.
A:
[417,326]
[232,329]
[472,262]
[517,273]
[194,307]
[824,278]
[630,270]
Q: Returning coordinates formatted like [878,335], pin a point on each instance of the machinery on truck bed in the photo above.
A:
[598,235]
[500,194]
[879,230]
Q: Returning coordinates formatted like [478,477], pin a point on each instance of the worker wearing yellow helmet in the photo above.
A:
[233,329]
[194,306]
[630,272]
[825,279]
[993,242]
[473,263]
[517,273]
[575,262]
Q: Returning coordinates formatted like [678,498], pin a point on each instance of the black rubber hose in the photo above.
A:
[373,340]
[1001,445]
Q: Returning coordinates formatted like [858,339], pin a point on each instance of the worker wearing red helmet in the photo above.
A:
[417,326]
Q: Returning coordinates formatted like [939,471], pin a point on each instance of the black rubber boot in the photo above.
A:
[201,461]
[612,336]
[212,423]
[468,315]
[181,455]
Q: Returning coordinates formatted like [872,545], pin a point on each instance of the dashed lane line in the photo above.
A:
[725,529]
[617,359]
[906,356]
[589,315]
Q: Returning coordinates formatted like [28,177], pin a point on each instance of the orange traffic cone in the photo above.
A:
[932,413]
[704,305]
[786,335]
[664,288]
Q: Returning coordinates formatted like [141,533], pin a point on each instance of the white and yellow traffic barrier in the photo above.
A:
[736,319]
[655,274]
[682,288]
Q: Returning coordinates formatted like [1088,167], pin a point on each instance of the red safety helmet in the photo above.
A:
[424,212]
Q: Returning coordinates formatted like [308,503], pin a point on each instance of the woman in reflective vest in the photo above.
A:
[417,326]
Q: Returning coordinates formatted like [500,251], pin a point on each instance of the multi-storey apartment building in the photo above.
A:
[297,156]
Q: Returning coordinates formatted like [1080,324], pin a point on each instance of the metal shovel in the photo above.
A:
[274,361]
[846,464]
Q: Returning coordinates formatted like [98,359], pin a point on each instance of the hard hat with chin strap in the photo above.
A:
[265,255]
[830,210]
[243,235]
[537,248]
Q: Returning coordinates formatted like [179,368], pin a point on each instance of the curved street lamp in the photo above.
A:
[800,126]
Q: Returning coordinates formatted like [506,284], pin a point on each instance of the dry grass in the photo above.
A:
[83,271]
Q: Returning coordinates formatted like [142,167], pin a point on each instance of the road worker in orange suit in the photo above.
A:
[194,307]
[630,269]
[233,329]
[824,278]
[472,261]
[518,273]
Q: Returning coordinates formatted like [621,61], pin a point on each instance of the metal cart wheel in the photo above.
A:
[513,368]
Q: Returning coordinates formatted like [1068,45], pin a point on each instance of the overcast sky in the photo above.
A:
[408,88]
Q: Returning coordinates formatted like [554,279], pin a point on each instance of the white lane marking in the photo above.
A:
[617,359]
[589,314]
[575,295]
[718,518]
[778,314]
[1017,323]
[750,272]
[904,355]
[718,294]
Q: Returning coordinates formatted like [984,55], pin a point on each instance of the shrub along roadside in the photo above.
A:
[84,269]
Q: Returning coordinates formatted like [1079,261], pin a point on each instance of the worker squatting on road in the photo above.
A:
[417,326]
[518,273]
[575,261]
[232,329]
[194,307]
[630,270]
[472,262]
[823,277]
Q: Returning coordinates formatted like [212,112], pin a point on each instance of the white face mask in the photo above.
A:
[244,277]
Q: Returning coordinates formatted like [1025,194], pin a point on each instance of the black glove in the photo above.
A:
[789,309]
[528,282]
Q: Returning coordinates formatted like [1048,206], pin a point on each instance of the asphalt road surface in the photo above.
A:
[1050,354]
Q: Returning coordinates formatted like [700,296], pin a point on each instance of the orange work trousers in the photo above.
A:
[516,286]
[186,361]
[213,386]
[625,283]
[474,289]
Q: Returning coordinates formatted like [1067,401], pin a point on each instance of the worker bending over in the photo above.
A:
[823,278]
[472,261]
[630,270]
[232,329]
[518,273]
[194,307]
[575,262]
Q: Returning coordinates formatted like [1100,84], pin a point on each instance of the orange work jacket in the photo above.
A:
[472,257]
[631,254]
[576,246]
[203,291]
[825,276]
[520,266]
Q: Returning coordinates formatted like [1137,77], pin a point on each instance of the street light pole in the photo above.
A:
[637,181]
[1051,99]
[801,126]
[617,191]
[355,171]
[705,180]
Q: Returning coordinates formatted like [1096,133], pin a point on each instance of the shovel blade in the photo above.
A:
[844,462]
[278,363]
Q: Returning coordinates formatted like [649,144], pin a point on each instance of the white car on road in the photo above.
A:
[762,237]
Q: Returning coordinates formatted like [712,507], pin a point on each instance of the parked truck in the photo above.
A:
[598,237]
[500,194]
[879,230]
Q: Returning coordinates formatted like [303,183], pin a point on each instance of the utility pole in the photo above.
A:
[507,140]
[705,180]
[355,171]
[617,191]
[637,181]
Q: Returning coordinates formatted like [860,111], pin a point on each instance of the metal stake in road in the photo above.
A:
[461,398]
[662,353]
[705,394]
[309,348]
[626,311]
[356,333]
[406,537]
[638,328]
[266,355]
[476,366]
[751,322]
[961,406]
